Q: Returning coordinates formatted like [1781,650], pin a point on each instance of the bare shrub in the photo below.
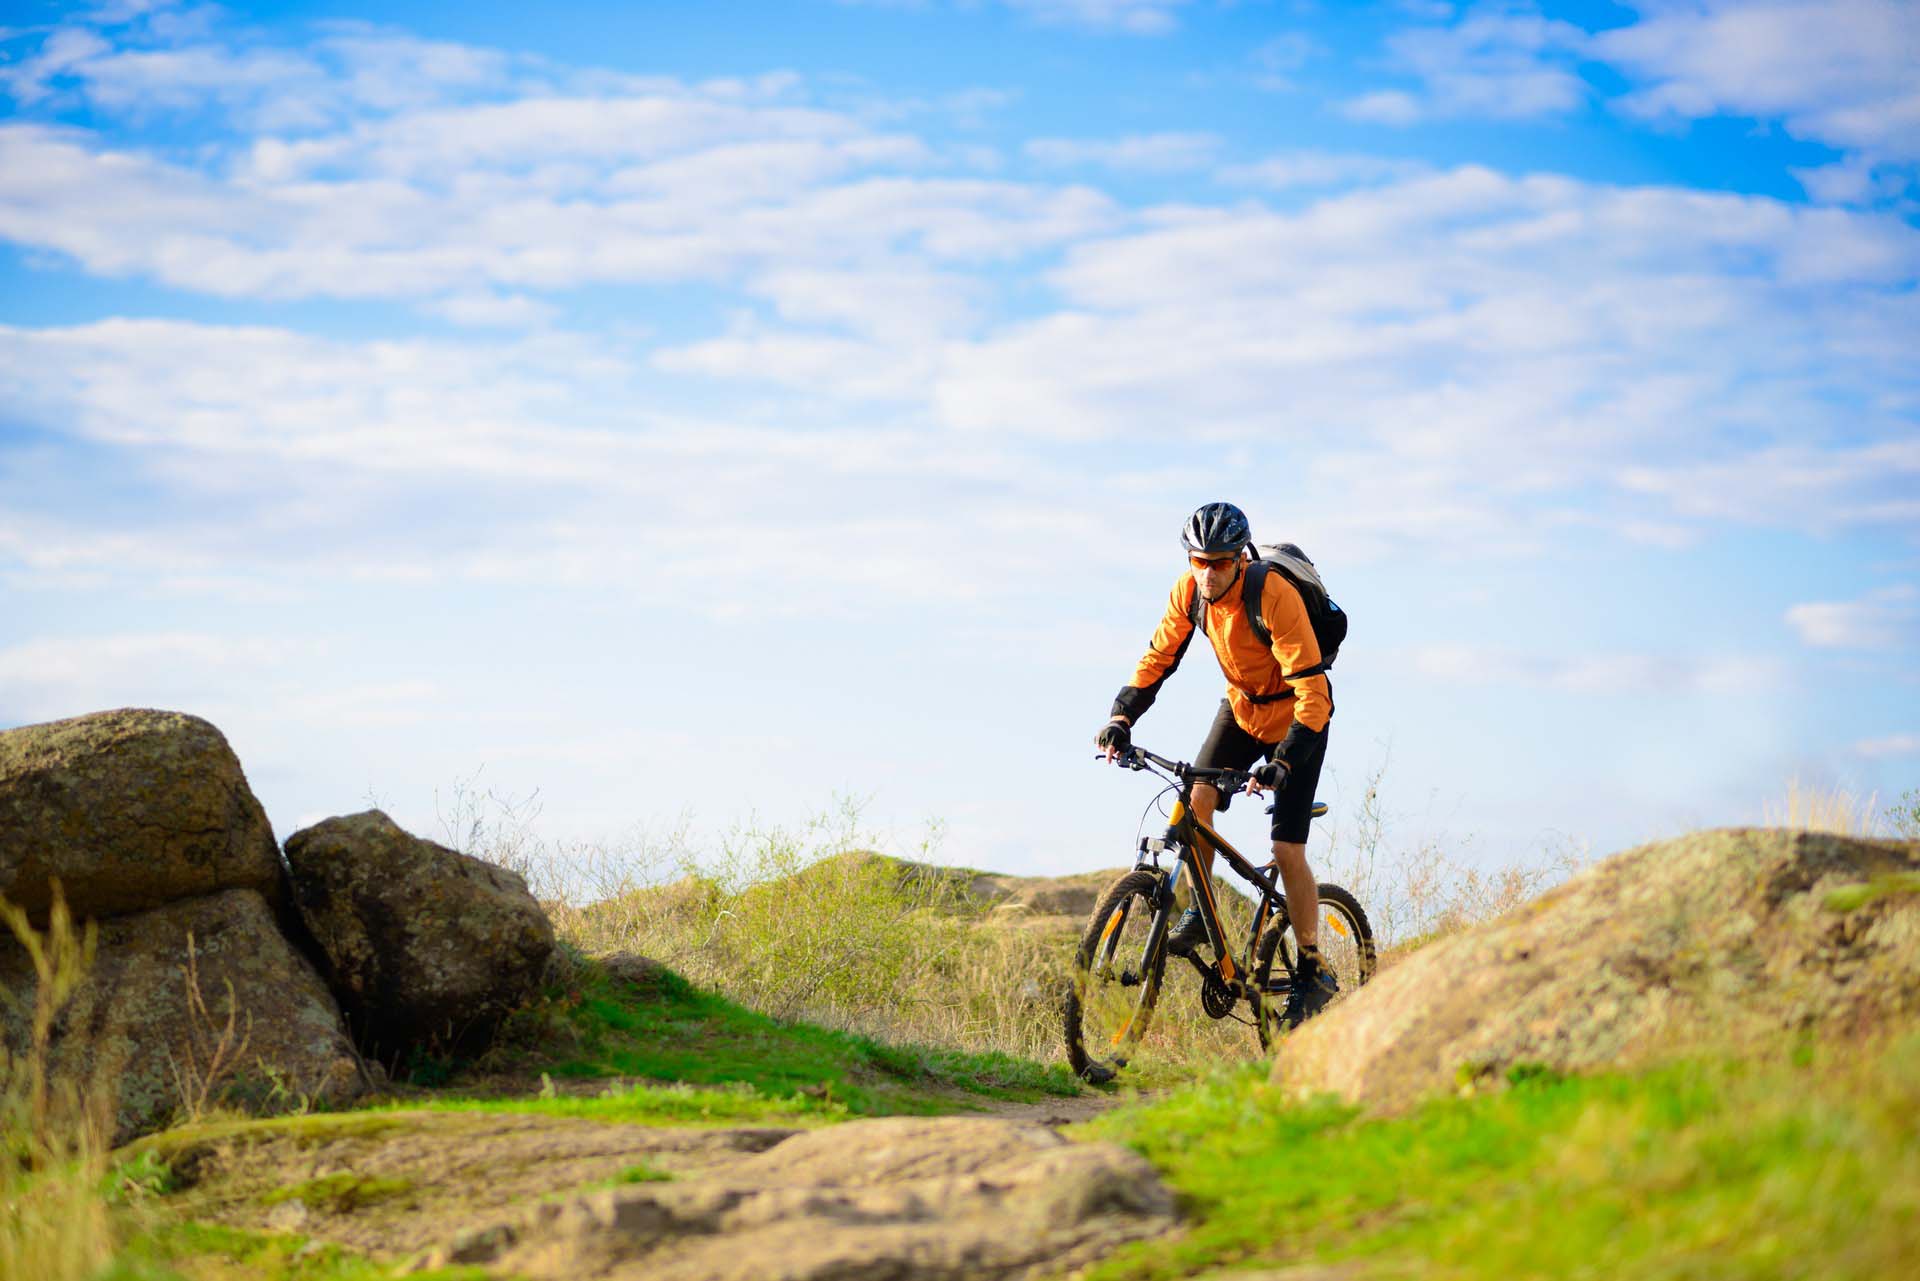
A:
[1903,816]
[211,1053]
[1417,892]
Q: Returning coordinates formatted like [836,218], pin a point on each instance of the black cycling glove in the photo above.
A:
[1272,775]
[1114,734]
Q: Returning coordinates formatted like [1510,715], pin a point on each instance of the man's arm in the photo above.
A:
[1163,654]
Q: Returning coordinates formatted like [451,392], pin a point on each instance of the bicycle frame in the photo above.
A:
[1184,831]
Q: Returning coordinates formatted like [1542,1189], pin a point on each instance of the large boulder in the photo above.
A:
[1700,944]
[129,810]
[135,1033]
[423,945]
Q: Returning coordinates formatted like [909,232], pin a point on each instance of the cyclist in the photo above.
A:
[1277,707]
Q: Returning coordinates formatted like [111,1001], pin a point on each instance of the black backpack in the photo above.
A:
[1328,619]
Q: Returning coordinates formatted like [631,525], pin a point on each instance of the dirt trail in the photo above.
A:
[1056,1112]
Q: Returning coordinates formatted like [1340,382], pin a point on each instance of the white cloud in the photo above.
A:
[1837,71]
[1891,746]
[175,64]
[1476,346]
[546,228]
[1135,17]
[1308,168]
[383,705]
[1278,58]
[1854,180]
[1886,619]
[1606,674]
[1492,64]
[1144,153]
[300,462]
[53,677]
[484,310]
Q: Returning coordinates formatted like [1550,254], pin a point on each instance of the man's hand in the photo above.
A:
[1271,775]
[1114,738]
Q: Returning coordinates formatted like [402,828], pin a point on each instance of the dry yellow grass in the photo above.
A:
[55,1223]
[807,923]
[1816,808]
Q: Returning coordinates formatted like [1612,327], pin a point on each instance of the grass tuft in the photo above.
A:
[1814,808]
[1851,898]
[339,1193]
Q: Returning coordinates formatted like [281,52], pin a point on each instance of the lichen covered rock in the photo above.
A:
[890,1199]
[129,810]
[1703,943]
[423,946]
[134,1034]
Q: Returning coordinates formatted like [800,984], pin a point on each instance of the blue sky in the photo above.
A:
[707,409]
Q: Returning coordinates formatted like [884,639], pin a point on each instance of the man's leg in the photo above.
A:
[1303,896]
[1314,984]
[1205,800]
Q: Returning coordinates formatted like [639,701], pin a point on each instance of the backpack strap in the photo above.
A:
[1256,584]
[1250,590]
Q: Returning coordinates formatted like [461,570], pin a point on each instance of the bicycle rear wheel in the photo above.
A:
[1116,978]
[1346,948]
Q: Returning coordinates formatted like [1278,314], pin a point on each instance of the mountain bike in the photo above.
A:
[1122,957]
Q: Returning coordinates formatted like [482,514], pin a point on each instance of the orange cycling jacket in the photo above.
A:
[1266,703]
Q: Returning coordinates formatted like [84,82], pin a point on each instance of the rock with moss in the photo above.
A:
[128,810]
[425,947]
[189,1006]
[893,1199]
[1700,944]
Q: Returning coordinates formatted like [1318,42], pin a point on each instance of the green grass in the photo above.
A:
[1851,898]
[341,1193]
[205,1250]
[670,1030]
[642,1104]
[1801,1165]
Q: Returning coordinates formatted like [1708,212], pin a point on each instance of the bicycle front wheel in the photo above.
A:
[1116,977]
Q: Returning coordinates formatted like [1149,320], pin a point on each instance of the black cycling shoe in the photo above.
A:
[1187,934]
[1314,986]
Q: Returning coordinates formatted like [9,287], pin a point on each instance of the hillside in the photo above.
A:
[1696,1058]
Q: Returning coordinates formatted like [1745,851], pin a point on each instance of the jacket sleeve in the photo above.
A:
[1169,644]
[1296,650]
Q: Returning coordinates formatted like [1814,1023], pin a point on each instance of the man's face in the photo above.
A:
[1213,574]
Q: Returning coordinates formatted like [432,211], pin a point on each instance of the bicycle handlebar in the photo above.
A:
[1139,758]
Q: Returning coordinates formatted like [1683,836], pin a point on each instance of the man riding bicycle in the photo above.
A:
[1277,707]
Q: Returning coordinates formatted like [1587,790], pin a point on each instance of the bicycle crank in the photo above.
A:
[1216,998]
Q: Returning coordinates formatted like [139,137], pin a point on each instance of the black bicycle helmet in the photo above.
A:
[1216,530]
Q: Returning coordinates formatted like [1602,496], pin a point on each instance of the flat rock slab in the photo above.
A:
[949,1198]
[434,1174]
[129,810]
[1692,945]
[132,1032]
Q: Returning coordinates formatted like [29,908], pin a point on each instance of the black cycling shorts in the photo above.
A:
[1230,747]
